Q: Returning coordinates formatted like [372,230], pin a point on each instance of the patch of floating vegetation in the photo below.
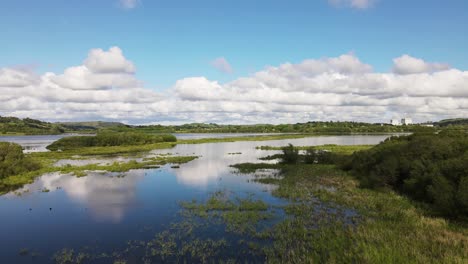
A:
[235,153]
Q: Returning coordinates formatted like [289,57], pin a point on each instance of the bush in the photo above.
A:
[13,161]
[104,139]
[431,168]
[310,156]
[290,154]
[322,157]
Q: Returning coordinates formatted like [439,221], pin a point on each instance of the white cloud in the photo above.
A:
[129,4]
[222,65]
[358,4]
[340,88]
[112,61]
[410,65]
[101,70]
[15,78]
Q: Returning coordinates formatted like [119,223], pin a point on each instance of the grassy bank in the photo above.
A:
[390,228]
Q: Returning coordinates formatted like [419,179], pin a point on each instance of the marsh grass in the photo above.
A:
[389,228]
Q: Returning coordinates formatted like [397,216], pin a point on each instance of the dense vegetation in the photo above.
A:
[91,125]
[28,126]
[13,161]
[105,139]
[427,167]
[309,127]
[452,122]
[431,168]
[13,125]
[321,228]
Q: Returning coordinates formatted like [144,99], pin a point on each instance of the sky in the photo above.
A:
[238,62]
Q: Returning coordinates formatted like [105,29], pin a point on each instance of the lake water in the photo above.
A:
[40,142]
[34,143]
[103,211]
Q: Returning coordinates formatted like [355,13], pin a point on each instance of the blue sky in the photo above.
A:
[170,40]
[167,62]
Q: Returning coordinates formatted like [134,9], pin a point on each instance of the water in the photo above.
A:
[104,210]
[35,143]
[40,142]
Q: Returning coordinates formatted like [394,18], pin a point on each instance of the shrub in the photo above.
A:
[13,161]
[431,168]
[290,154]
[310,156]
[104,139]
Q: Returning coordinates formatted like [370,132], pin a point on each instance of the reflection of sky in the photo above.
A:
[106,197]
[215,159]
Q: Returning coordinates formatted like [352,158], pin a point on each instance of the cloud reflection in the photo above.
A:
[107,198]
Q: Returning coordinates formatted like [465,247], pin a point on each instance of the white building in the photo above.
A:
[395,122]
[406,121]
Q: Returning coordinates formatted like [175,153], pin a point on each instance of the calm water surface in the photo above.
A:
[104,210]
[35,143]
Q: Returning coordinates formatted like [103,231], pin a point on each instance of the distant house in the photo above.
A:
[406,121]
[395,122]
[427,125]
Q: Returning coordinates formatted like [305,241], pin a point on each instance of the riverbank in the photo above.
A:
[389,227]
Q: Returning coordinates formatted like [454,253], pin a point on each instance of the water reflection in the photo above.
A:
[107,196]
[215,158]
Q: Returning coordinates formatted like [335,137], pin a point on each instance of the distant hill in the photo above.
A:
[28,126]
[452,122]
[90,125]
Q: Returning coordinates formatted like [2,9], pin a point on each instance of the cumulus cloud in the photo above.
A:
[112,61]
[15,78]
[410,65]
[222,65]
[358,4]
[104,87]
[129,4]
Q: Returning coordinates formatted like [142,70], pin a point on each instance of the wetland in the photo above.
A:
[215,198]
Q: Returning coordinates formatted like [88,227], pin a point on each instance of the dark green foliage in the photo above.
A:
[310,156]
[309,127]
[13,161]
[290,154]
[105,139]
[28,126]
[431,168]
[320,156]
[452,122]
